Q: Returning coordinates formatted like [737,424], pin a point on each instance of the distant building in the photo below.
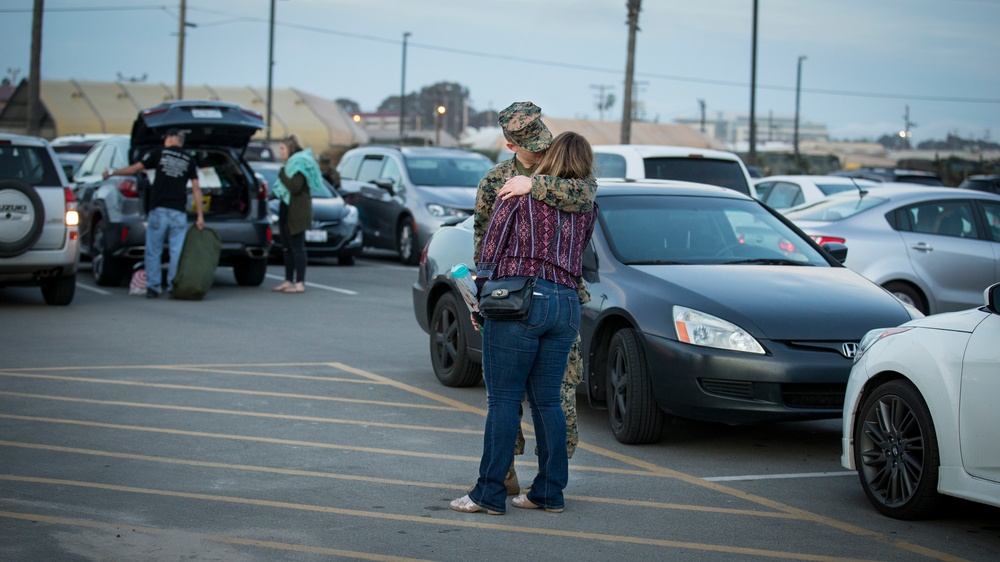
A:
[733,130]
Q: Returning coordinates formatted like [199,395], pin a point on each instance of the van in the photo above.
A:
[700,165]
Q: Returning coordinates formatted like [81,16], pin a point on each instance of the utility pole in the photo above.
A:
[270,73]
[798,92]
[633,26]
[34,123]
[906,133]
[701,104]
[180,51]
[752,154]
[603,101]
[402,90]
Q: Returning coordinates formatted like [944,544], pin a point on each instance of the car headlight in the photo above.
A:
[351,214]
[875,335]
[437,210]
[698,328]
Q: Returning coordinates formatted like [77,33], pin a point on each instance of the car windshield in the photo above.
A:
[682,230]
[834,209]
[446,172]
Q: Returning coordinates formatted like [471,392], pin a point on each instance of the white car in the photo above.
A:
[684,163]
[920,414]
[782,192]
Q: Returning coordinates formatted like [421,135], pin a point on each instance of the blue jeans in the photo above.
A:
[528,357]
[162,225]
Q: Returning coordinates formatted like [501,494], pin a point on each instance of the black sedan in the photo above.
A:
[706,305]
[335,232]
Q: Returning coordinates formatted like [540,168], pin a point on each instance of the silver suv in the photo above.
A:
[39,240]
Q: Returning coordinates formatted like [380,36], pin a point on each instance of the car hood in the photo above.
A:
[457,197]
[205,123]
[786,302]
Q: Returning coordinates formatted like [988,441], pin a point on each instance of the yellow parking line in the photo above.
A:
[225,391]
[375,480]
[37,518]
[422,519]
[240,413]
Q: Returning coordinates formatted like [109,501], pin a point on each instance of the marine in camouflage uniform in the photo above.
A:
[522,126]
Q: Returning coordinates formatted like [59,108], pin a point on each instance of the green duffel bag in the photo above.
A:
[196,268]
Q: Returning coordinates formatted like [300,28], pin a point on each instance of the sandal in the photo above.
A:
[466,505]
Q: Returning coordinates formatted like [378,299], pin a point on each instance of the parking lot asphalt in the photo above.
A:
[259,426]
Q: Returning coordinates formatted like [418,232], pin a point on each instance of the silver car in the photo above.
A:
[934,248]
[783,192]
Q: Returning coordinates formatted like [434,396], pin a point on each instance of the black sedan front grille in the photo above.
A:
[814,395]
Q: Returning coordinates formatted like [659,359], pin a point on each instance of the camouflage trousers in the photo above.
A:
[567,395]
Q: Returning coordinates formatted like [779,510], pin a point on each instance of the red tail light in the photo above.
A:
[786,246]
[270,236]
[128,188]
[820,239]
[262,190]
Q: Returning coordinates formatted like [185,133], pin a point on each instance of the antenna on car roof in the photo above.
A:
[861,192]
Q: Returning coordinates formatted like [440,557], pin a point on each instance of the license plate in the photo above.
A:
[316,236]
[206,113]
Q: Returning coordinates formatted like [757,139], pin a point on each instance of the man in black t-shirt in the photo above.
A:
[167,219]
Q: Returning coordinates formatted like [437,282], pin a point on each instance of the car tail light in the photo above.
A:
[149,112]
[128,188]
[72,216]
[270,236]
[253,113]
[423,254]
[786,245]
[820,239]
[262,190]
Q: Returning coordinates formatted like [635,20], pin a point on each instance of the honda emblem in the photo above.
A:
[849,350]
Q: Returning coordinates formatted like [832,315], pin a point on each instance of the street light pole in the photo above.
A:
[752,153]
[798,91]
[402,91]
[438,118]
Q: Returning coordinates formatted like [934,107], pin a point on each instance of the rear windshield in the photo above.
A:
[30,164]
[447,172]
[835,209]
[724,173]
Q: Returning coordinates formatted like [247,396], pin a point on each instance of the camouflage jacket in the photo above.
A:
[572,196]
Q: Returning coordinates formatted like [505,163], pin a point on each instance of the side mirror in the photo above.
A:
[837,250]
[991,296]
[384,184]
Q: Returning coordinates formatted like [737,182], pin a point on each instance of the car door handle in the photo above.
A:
[922,247]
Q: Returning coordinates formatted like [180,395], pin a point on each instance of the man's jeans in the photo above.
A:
[163,224]
[528,355]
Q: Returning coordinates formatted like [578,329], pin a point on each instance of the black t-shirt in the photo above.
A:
[174,167]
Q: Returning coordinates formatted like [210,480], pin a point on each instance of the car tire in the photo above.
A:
[406,242]
[449,348]
[635,418]
[908,294]
[896,451]
[250,272]
[107,270]
[345,260]
[22,217]
[59,291]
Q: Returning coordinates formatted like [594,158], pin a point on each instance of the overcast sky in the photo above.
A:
[867,60]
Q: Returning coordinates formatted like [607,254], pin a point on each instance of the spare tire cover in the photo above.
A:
[22,216]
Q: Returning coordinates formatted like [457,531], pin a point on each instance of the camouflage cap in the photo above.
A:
[522,121]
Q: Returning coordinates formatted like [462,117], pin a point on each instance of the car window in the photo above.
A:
[784,195]
[89,165]
[699,230]
[446,172]
[103,161]
[944,218]
[349,166]
[392,173]
[831,188]
[835,209]
[609,165]
[992,219]
[763,188]
[30,164]
[724,173]
[370,167]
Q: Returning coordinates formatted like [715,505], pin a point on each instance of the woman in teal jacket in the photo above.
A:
[296,180]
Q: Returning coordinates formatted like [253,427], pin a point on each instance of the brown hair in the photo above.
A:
[292,143]
[569,156]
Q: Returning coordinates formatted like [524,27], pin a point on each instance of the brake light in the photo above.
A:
[262,190]
[820,239]
[270,236]
[128,188]
[72,216]
[124,234]
[253,113]
[149,112]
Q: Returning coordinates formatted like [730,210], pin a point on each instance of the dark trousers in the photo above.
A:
[293,249]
